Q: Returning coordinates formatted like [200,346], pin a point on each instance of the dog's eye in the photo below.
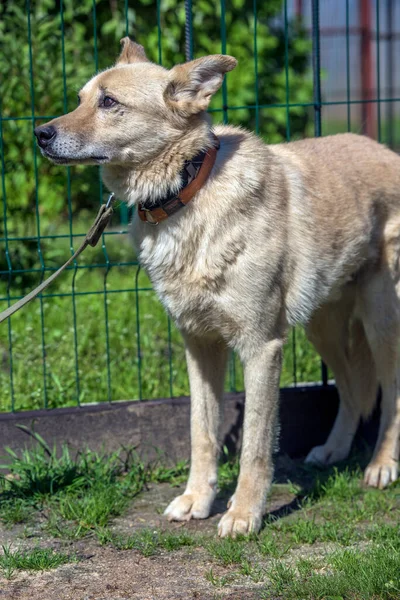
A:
[79,100]
[108,102]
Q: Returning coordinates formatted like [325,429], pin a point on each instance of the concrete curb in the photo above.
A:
[154,426]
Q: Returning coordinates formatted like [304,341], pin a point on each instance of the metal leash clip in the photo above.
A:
[111,199]
[92,237]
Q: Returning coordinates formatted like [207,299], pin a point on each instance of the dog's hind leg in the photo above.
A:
[206,362]
[364,380]
[379,307]
[329,331]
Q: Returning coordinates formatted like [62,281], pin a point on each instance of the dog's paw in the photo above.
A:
[323,455]
[236,522]
[189,506]
[381,474]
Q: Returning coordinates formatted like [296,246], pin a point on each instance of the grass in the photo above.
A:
[345,574]
[215,580]
[133,353]
[227,551]
[338,539]
[148,542]
[38,559]
[77,494]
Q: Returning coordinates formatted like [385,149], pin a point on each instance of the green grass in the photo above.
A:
[215,580]
[227,551]
[78,494]
[57,360]
[148,542]
[340,540]
[345,574]
[38,559]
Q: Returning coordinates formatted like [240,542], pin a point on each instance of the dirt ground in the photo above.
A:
[105,573]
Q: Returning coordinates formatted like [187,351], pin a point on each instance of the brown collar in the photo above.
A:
[194,174]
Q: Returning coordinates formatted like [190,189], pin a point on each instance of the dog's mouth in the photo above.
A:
[73,160]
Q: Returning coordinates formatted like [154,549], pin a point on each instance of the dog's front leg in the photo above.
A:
[247,505]
[206,361]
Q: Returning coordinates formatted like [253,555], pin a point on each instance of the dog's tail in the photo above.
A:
[363,370]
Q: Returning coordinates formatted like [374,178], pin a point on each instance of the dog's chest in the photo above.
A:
[190,277]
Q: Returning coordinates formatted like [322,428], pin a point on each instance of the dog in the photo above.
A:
[242,240]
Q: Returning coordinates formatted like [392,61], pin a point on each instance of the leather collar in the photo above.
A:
[194,174]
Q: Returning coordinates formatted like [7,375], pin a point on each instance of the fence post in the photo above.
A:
[316,63]
[390,74]
[188,30]
[367,109]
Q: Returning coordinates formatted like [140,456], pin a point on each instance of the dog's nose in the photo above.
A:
[45,134]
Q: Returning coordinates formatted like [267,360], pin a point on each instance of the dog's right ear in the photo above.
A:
[192,84]
[131,52]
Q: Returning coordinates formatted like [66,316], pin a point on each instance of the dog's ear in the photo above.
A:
[192,84]
[131,52]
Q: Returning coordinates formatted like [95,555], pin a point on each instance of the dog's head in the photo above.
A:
[131,112]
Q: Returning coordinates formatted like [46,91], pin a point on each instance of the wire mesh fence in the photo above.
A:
[305,68]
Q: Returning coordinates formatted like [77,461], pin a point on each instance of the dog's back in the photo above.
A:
[344,211]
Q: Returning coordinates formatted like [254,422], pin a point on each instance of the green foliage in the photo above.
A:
[51,54]
[215,580]
[38,559]
[80,493]
[346,574]
[42,472]
[148,542]
[15,510]
[227,551]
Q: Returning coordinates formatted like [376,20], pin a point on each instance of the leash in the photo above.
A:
[92,237]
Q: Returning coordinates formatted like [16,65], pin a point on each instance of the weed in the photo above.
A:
[144,541]
[282,576]
[267,546]
[172,475]
[369,574]
[228,551]
[215,580]
[308,531]
[338,486]
[86,490]
[250,570]
[148,541]
[228,471]
[16,510]
[173,541]
[38,559]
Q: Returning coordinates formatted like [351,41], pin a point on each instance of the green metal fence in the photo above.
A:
[100,334]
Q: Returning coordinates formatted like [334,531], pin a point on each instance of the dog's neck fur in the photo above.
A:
[153,180]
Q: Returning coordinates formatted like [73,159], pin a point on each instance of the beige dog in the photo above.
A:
[306,232]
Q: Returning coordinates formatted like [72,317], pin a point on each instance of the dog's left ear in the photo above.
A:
[192,84]
[131,52]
